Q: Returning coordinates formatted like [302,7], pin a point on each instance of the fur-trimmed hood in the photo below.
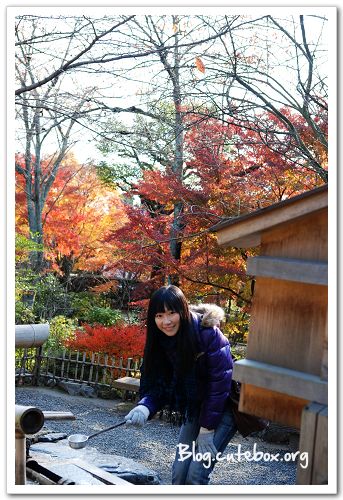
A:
[211,314]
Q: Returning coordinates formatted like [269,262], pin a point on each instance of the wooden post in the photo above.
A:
[324,367]
[36,369]
[21,374]
[76,365]
[97,369]
[129,367]
[83,366]
[20,458]
[320,459]
[91,368]
[68,364]
[128,373]
[121,369]
[104,371]
[113,373]
[313,441]
[62,366]
[53,367]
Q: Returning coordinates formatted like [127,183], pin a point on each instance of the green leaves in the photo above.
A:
[23,247]
[62,329]
[103,316]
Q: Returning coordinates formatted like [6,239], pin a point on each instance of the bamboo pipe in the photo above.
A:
[28,420]
[31,335]
[44,475]
[58,415]
[20,458]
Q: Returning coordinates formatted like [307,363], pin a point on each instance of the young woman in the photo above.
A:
[187,371]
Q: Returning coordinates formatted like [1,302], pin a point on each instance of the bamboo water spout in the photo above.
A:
[28,420]
[31,335]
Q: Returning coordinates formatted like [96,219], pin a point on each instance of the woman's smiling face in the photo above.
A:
[168,322]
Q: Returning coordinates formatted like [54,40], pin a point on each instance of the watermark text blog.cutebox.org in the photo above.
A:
[241,456]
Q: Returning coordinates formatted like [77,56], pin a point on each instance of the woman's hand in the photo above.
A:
[205,442]
[138,416]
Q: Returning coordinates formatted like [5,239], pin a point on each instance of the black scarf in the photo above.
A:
[178,393]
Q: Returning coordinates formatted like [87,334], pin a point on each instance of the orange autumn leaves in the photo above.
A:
[78,215]
[200,65]
[228,171]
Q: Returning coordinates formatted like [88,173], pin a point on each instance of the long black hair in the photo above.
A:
[170,298]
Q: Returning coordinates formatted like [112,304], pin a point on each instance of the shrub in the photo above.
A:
[25,280]
[62,329]
[103,316]
[83,302]
[118,340]
[23,314]
[51,299]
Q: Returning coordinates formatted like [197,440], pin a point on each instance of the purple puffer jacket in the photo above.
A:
[214,373]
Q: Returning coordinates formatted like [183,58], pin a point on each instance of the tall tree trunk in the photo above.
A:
[36,234]
[177,225]
[66,265]
[32,174]
[38,182]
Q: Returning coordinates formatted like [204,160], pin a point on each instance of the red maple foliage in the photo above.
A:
[229,171]
[121,340]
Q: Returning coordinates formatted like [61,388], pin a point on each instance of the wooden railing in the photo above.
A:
[95,369]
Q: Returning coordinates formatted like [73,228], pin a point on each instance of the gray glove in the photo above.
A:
[205,442]
[138,416]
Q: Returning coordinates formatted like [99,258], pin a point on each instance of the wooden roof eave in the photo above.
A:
[246,231]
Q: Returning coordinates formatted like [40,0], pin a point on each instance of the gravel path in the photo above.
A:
[154,445]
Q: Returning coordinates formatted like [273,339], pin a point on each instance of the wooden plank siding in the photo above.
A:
[272,405]
[296,317]
[305,238]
